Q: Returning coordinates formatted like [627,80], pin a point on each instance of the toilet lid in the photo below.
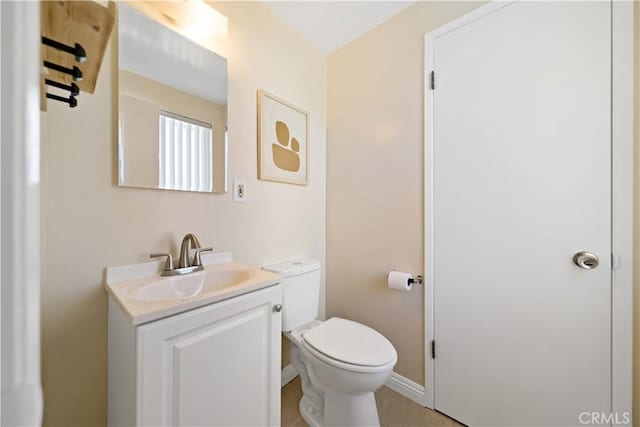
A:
[350,342]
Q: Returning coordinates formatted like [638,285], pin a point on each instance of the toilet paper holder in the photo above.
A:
[402,280]
[418,280]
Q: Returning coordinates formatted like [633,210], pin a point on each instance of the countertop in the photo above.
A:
[122,282]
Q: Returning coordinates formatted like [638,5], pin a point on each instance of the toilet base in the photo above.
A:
[309,413]
[321,408]
[312,403]
[351,410]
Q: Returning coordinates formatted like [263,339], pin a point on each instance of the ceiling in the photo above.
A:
[332,24]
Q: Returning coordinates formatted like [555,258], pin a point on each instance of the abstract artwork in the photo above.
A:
[282,140]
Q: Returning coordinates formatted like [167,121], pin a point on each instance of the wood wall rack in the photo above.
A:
[66,26]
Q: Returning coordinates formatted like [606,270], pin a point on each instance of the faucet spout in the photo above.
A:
[190,241]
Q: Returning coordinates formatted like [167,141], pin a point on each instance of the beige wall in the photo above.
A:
[89,223]
[138,145]
[141,99]
[374,214]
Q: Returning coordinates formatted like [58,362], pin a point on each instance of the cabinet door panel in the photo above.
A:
[218,365]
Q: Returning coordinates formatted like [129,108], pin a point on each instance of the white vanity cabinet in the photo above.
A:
[217,365]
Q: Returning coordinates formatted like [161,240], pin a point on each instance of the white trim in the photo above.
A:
[429,363]
[20,219]
[289,373]
[407,388]
[622,97]
[622,199]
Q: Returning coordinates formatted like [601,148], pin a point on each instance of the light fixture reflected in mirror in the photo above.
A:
[203,22]
[194,19]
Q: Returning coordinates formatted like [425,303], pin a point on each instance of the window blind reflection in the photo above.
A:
[185,154]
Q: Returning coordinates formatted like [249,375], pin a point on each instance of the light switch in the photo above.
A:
[239,190]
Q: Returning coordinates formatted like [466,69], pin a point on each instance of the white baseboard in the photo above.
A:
[289,373]
[408,388]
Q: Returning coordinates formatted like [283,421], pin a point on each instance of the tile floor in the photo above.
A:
[394,410]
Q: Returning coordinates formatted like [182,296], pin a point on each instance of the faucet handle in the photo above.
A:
[197,260]
[168,265]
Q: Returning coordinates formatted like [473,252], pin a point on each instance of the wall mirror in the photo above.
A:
[172,108]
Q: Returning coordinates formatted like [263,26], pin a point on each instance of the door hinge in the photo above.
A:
[433,80]
[433,349]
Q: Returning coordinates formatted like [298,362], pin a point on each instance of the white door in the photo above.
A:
[521,183]
[215,366]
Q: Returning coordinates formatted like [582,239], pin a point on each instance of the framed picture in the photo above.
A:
[283,139]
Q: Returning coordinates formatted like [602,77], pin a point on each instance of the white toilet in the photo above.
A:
[340,362]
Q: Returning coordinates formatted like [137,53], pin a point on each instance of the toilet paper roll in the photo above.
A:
[399,281]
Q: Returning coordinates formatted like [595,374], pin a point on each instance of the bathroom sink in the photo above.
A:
[190,285]
[144,295]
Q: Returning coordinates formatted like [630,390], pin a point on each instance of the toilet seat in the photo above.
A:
[349,345]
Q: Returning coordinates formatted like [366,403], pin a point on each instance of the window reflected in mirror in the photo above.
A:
[186,154]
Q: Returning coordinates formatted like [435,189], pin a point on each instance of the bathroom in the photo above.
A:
[359,72]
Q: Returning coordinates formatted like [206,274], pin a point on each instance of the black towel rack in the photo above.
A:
[79,54]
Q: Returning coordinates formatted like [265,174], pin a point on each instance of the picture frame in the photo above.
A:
[283,140]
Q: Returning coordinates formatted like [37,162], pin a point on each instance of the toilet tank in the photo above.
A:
[300,291]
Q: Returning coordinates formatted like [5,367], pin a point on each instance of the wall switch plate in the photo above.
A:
[239,190]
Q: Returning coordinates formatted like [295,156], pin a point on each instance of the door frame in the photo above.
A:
[622,145]
[20,219]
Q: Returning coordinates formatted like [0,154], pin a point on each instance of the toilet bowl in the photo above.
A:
[340,362]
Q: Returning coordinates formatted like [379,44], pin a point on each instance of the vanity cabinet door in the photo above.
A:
[214,366]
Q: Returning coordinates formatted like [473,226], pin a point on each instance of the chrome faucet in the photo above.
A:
[189,242]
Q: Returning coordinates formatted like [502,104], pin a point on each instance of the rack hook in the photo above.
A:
[72,101]
[74,72]
[77,51]
[72,88]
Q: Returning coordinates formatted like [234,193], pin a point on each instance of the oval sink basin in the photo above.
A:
[189,285]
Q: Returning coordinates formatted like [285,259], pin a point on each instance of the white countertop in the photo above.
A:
[122,282]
